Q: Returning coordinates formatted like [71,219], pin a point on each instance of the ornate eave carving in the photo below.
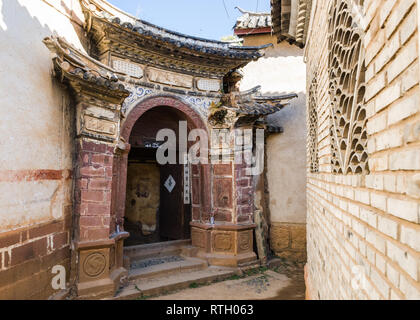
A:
[240,108]
[85,74]
[150,45]
[98,92]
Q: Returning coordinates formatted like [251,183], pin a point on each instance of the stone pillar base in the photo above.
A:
[99,275]
[224,244]
[95,290]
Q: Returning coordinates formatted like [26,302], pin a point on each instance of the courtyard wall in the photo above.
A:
[283,71]
[36,147]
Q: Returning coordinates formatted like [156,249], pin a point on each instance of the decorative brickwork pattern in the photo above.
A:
[313,127]
[347,90]
[363,229]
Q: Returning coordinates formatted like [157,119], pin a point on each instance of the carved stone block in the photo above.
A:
[170,78]
[222,241]
[244,241]
[127,67]
[198,238]
[222,192]
[208,85]
[94,264]
[99,125]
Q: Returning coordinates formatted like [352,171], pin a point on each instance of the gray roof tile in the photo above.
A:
[253,20]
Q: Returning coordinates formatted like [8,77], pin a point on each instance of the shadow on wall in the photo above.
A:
[283,49]
[20,30]
[37,135]
[39,127]
[291,116]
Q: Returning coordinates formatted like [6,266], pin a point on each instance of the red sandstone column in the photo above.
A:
[229,240]
[97,241]
[93,190]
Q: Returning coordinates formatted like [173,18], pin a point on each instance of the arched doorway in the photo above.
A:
[155,209]
[150,201]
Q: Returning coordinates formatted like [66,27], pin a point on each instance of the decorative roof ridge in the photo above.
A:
[253,21]
[97,8]
[253,13]
[254,95]
[75,65]
[252,102]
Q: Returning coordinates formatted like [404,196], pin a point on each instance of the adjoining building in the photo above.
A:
[281,195]
[90,211]
[363,164]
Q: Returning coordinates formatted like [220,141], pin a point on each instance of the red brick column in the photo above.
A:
[93,195]
[98,246]
[244,194]
[223,192]
[93,190]
[229,240]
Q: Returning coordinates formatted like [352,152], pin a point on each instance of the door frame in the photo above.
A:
[200,182]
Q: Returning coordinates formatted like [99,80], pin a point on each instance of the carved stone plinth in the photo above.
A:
[224,244]
[94,264]
[118,273]
[100,268]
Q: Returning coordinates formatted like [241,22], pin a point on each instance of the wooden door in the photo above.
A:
[172,210]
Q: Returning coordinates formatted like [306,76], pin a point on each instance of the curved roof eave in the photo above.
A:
[290,20]
[103,9]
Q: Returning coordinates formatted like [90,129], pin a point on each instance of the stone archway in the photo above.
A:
[222,190]
[200,175]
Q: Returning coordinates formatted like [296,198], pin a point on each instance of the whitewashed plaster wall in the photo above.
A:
[283,71]
[35,113]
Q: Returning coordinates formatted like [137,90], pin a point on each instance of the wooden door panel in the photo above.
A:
[171,210]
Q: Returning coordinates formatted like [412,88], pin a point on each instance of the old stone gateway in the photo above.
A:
[138,160]
[138,80]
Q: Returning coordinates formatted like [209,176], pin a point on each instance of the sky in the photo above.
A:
[210,19]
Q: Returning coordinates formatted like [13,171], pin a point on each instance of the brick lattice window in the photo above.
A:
[313,127]
[347,89]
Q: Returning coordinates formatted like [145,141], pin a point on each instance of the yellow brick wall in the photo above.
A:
[363,231]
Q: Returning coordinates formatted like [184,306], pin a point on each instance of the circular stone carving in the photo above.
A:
[94,264]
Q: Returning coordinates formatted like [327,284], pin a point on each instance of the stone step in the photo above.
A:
[161,249]
[154,267]
[173,282]
[189,251]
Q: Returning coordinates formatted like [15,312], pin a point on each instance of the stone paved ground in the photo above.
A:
[282,282]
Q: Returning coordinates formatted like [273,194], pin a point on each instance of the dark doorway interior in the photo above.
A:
[154,210]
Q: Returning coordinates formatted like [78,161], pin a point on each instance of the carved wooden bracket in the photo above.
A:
[244,108]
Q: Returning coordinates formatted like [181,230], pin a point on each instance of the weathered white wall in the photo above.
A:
[283,71]
[35,115]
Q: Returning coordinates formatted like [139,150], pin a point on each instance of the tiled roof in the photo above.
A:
[248,108]
[253,20]
[146,29]
[251,102]
[75,66]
